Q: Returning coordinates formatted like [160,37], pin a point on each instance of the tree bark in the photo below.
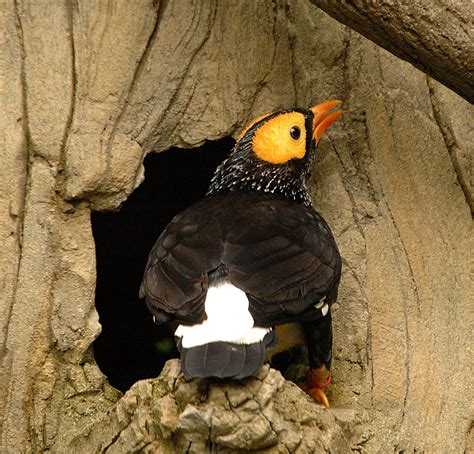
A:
[91,87]
[434,36]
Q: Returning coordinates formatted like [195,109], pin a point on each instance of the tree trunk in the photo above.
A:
[435,36]
[91,87]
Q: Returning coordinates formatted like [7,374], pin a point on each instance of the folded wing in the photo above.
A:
[281,254]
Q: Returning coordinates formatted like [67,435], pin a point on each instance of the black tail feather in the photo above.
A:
[224,359]
[255,354]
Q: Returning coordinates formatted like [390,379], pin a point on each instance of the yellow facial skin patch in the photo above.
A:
[281,138]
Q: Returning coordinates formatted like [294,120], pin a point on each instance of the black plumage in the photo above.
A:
[281,254]
[224,359]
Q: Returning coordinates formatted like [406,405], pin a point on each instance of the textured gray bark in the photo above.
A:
[435,36]
[84,105]
[168,414]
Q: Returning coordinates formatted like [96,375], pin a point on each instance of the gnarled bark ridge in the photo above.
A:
[434,36]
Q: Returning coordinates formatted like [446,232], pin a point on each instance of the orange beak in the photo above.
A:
[322,118]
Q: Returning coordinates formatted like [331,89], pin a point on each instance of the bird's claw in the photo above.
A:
[318,395]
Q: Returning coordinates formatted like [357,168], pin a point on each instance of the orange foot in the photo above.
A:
[316,381]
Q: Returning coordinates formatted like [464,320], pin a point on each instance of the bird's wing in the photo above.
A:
[282,254]
[175,281]
[285,258]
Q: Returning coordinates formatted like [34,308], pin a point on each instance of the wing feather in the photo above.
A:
[282,254]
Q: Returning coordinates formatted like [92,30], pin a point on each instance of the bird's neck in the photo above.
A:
[233,176]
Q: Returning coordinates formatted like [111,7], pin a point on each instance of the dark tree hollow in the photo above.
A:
[131,347]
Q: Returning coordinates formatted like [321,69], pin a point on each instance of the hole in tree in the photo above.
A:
[131,347]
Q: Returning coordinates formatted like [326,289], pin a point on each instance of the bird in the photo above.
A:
[252,261]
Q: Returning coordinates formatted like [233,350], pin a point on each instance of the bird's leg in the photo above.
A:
[318,335]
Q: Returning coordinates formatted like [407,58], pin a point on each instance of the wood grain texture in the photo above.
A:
[434,36]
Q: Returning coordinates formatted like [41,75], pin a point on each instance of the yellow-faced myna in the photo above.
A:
[251,255]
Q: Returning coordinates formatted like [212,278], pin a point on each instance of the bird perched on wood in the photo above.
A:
[251,255]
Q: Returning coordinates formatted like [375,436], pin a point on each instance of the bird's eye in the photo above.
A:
[295,132]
